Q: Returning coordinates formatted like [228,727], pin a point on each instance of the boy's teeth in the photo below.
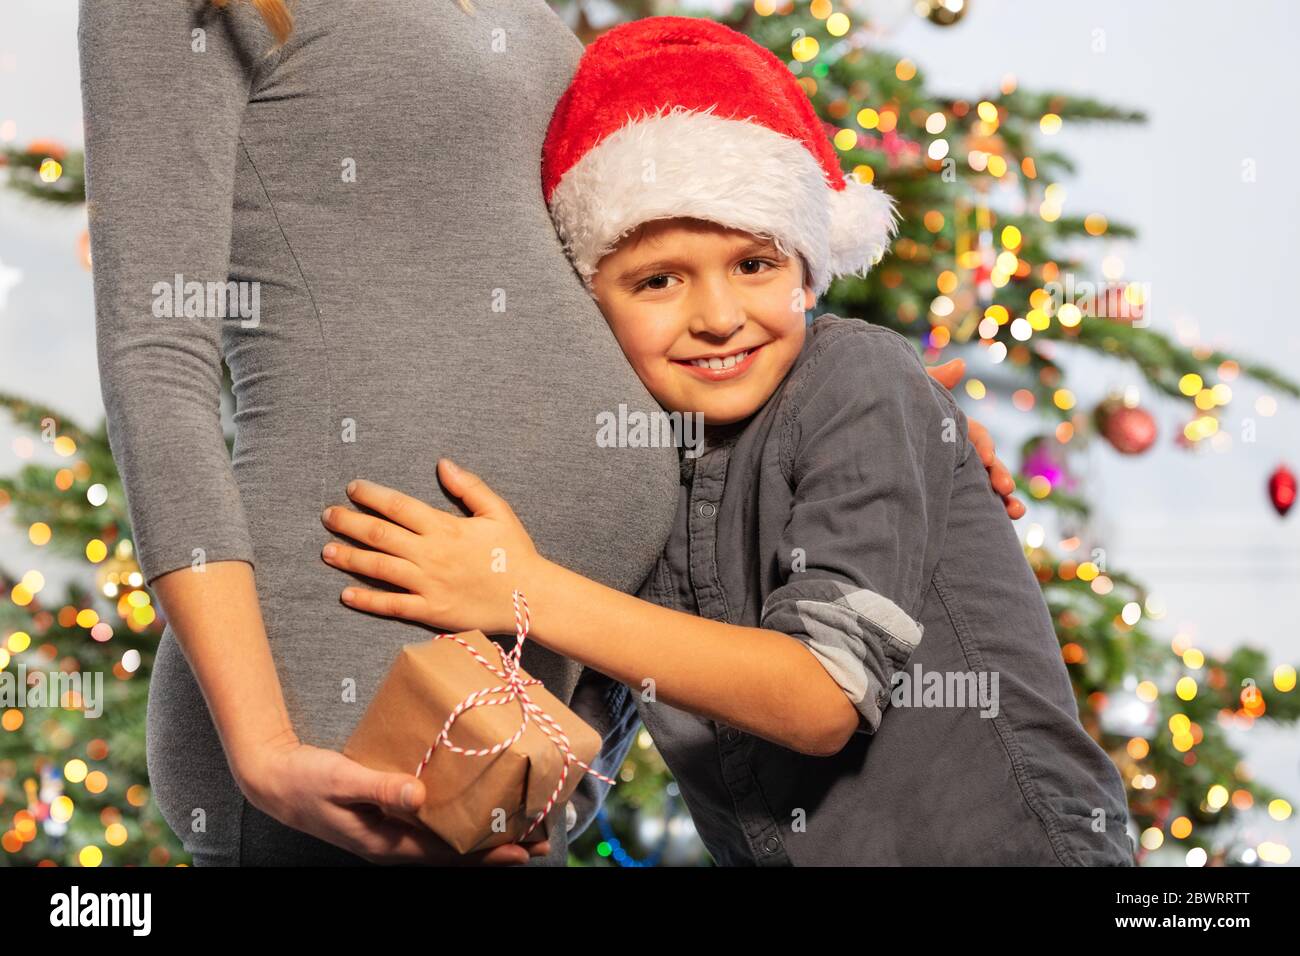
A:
[727,362]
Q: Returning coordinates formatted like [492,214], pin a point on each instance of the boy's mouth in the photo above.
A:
[718,368]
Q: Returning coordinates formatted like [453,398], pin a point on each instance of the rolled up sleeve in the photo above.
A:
[870,447]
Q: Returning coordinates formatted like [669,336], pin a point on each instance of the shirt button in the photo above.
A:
[771,844]
[707,510]
[730,735]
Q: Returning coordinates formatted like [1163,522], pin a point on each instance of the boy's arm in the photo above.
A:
[757,680]
[871,453]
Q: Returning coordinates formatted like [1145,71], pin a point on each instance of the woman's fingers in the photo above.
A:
[394,842]
[378,533]
[376,812]
[411,513]
[1005,485]
[981,439]
[346,803]
[351,782]
[509,854]
[999,475]
[408,607]
[1000,478]
[949,373]
[364,811]
[373,564]
[380,840]
[397,840]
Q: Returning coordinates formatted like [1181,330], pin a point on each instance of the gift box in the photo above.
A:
[452,711]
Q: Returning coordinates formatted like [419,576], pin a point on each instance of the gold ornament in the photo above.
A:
[114,574]
[942,12]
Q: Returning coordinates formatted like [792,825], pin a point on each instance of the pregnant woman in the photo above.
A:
[364,178]
[372,185]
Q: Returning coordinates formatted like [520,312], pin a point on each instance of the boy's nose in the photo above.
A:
[715,311]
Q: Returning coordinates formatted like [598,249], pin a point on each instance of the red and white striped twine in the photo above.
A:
[513,690]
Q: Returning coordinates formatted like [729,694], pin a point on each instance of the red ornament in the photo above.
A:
[47,147]
[1130,430]
[1281,489]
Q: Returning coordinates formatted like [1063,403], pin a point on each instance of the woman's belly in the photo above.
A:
[421,309]
[513,397]
[425,310]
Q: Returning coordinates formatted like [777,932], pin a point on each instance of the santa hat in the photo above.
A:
[675,116]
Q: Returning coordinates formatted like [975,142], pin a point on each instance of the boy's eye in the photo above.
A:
[654,282]
[752,266]
[758,262]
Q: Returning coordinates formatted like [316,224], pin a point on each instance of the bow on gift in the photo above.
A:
[513,690]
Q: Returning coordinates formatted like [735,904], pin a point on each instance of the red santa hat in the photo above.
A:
[675,116]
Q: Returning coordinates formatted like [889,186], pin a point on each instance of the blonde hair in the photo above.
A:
[279,20]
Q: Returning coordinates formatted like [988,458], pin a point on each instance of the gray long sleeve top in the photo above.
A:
[375,182]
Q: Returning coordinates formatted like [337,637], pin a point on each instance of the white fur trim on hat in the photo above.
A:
[736,173]
[863,221]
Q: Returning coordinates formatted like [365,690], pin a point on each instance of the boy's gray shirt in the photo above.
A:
[850,514]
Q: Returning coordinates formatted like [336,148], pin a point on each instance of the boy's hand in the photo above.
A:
[948,375]
[457,572]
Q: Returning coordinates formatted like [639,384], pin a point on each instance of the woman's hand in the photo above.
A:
[458,573]
[948,375]
[367,812]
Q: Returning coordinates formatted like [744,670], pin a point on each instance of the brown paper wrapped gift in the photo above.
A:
[466,794]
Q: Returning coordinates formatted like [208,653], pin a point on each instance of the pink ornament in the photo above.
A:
[1130,431]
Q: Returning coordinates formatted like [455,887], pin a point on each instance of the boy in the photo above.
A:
[837,551]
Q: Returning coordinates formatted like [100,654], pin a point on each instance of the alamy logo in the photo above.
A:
[56,689]
[102,909]
[946,689]
[1126,301]
[208,300]
[651,430]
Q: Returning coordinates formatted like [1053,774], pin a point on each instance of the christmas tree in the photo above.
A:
[74,671]
[963,274]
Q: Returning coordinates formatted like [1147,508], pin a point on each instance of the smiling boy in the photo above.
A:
[834,529]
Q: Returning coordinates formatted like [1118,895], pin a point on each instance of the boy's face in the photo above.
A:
[676,291]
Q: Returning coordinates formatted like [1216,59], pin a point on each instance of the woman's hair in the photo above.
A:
[280,21]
